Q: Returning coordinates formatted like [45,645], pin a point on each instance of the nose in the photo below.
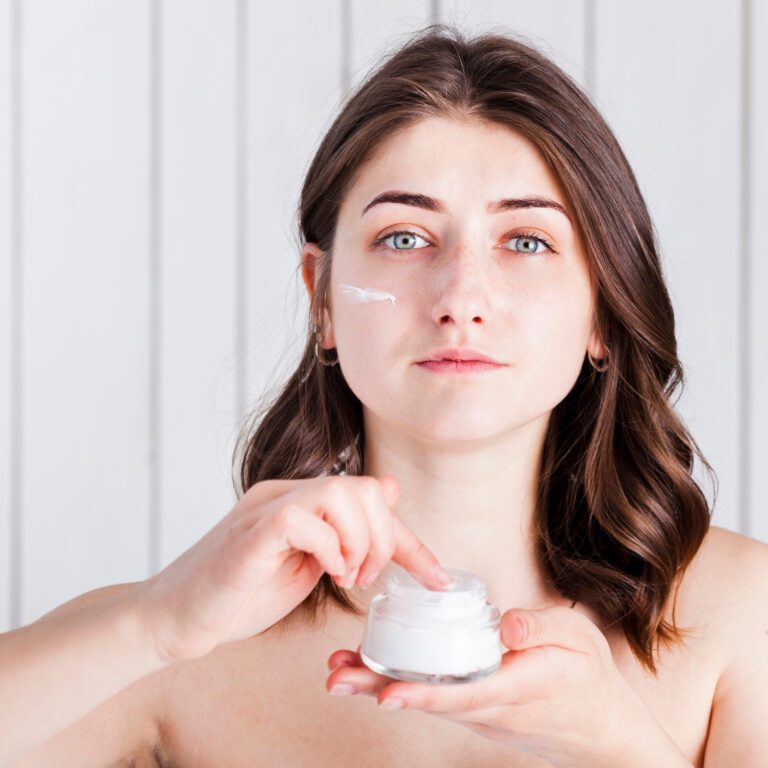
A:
[462,283]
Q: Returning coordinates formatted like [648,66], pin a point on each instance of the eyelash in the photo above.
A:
[379,242]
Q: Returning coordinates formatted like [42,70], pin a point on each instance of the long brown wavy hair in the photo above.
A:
[619,516]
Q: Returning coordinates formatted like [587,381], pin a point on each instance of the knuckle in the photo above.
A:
[369,488]
[334,492]
[533,628]
[359,555]
[378,560]
[287,515]
[331,540]
[333,484]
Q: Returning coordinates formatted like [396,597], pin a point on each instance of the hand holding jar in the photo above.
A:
[555,692]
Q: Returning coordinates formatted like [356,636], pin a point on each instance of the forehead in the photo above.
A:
[455,159]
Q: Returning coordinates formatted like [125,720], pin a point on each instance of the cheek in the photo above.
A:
[555,335]
[367,322]
[369,337]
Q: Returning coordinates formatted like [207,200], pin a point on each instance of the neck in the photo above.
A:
[473,505]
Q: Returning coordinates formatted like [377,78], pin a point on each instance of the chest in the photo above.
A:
[265,704]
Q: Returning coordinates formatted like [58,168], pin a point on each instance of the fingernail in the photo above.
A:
[392,704]
[442,576]
[370,578]
[341,566]
[350,580]
[342,689]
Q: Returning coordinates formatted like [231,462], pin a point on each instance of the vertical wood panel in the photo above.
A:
[675,107]
[86,298]
[556,27]
[757,158]
[197,392]
[7,312]
[377,28]
[294,90]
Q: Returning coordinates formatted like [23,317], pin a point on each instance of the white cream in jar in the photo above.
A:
[422,635]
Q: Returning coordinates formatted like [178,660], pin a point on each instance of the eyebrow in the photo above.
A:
[431,204]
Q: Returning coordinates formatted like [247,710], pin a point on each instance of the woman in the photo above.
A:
[468,202]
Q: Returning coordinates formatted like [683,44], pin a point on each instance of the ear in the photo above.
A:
[310,255]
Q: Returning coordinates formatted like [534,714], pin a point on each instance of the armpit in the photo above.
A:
[144,758]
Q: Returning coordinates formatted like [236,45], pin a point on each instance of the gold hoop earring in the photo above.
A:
[317,352]
[599,368]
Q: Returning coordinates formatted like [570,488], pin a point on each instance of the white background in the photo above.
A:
[151,155]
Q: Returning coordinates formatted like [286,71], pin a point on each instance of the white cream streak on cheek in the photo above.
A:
[353,293]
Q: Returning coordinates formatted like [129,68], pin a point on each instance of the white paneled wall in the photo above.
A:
[680,125]
[9,322]
[754,260]
[200,252]
[153,153]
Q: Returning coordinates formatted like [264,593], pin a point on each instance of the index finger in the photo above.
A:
[416,557]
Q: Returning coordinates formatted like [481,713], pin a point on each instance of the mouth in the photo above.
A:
[459,366]
[459,359]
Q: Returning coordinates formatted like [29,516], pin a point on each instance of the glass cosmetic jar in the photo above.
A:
[422,635]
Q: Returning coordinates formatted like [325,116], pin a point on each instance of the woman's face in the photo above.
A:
[511,282]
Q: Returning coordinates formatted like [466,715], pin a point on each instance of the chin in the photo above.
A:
[452,432]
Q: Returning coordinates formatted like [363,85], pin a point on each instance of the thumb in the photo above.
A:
[524,628]
[391,490]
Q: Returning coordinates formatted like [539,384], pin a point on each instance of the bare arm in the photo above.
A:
[60,667]
[249,571]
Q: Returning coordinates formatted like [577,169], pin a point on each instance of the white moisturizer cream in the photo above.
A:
[423,635]
[357,294]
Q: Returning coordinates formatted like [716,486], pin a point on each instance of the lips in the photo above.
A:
[459,354]
[459,366]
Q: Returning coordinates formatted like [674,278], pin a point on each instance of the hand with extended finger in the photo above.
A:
[558,695]
[268,553]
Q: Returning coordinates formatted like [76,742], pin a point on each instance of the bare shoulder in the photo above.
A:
[727,579]
[723,595]
[733,569]
[738,578]
[722,541]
